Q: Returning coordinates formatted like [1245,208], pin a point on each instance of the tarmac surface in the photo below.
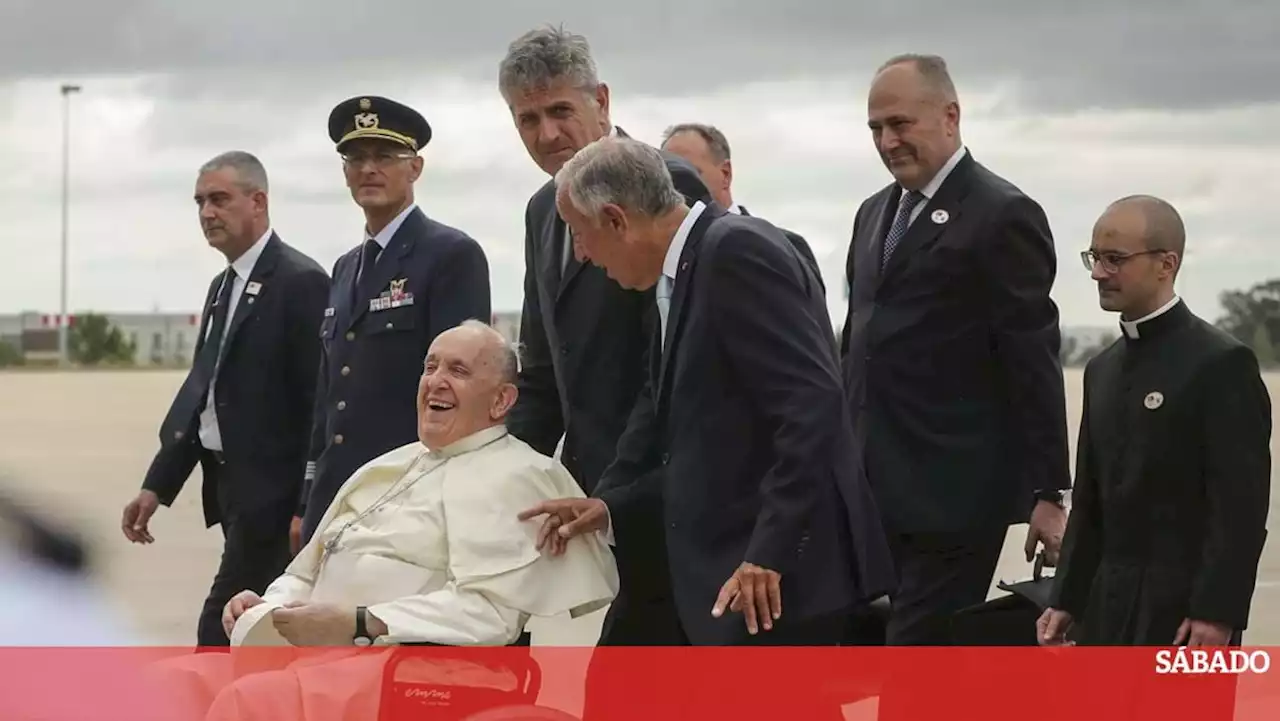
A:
[77,445]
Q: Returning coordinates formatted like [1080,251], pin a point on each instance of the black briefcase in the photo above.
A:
[1009,620]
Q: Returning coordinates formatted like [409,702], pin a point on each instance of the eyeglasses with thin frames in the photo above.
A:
[1112,260]
[380,159]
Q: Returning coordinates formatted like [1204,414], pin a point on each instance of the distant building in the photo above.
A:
[165,339]
[159,339]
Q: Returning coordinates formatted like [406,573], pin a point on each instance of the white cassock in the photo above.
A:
[429,541]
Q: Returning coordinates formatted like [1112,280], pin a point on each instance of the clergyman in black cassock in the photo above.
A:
[1173,474]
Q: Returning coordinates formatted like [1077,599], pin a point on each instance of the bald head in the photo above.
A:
[930,71]
[1162,227]
[467,385]
[497,352]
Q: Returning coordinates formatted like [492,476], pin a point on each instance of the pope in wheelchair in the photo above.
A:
[421,547]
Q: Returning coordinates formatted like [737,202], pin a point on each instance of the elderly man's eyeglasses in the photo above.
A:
[1111,260]
[380,158]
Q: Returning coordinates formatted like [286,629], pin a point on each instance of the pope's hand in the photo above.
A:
[315,624]
[236,607]
[566,518]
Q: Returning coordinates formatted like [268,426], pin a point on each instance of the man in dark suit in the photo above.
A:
[410,280]
[707,149]
[1173,464]
[585,338]
[243,414]
[950,350]
[741,433]
[741,430]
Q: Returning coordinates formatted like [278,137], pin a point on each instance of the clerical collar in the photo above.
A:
[473,442]
[1153,323]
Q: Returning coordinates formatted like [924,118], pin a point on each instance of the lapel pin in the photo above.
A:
[940,216]
[253,288]
[1154,400]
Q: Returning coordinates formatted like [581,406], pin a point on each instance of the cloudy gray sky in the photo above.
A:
[1078,103]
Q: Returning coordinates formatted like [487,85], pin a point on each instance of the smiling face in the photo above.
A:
[464,388]
[557,121]
[915,127]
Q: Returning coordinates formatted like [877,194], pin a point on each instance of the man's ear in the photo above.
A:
[504,401]
[613,216]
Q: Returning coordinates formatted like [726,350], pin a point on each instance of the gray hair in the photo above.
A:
[623,172]
[508,351]
[540,57]
[251,174]
[933,68]
[716,142]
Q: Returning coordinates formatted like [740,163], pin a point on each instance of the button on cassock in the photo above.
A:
[342,405]
[346,370]
[338,439]
[351,335]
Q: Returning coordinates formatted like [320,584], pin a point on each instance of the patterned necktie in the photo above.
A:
[663,293]
[901,221]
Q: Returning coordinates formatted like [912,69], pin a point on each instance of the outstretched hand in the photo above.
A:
[566,518]
[754,591]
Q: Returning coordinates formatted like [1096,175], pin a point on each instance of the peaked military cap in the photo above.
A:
[370,116]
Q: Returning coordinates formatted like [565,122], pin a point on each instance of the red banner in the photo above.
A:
[618,684]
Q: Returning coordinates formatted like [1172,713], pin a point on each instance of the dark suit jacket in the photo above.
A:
[265,390]
[951,356]
[1169,510]
[366,396]
[801,245]
[743,432]
[585,339]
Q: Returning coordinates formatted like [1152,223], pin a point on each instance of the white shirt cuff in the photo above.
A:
[607,533]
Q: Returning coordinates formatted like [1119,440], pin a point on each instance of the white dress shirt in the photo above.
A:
[670,271]
[210,435]
[930,190]
[671,263]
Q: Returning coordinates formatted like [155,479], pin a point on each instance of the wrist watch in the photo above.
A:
[362,637]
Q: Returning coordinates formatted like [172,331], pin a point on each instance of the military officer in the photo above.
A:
[411,278]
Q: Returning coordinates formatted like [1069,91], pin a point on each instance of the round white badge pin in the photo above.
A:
[1154,400]
[940,216]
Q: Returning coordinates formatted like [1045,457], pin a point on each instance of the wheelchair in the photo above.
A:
[404,698]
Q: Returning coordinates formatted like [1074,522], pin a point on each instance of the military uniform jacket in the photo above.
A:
[1173,476]
[430,278]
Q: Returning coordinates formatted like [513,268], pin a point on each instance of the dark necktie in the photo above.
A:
[207,362]
[909,201]
[365,275]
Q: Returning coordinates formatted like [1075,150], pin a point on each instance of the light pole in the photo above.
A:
[63,319]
